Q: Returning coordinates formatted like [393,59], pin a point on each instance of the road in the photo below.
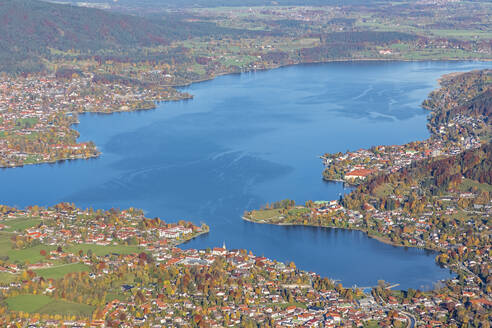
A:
[410,318]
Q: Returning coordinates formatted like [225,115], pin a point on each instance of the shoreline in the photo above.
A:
[340,60]
[191,238]
[455,268]
[378,238]
[273,67]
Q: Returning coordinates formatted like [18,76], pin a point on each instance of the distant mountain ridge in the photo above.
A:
[70,27]
[106,4]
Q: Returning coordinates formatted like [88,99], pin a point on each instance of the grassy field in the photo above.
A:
[32,255]
[442,54]
[103,250]
[47,305]
[276,216]
[468,184]
[267,214]
[5,244]
[20,255]
[384,190]
[7,277]
[67,308]
[21,224]
[60,271]
[461,34]
[28,303]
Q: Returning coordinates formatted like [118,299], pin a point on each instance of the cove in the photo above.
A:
[245,140]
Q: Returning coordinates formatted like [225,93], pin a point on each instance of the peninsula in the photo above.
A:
[434,194]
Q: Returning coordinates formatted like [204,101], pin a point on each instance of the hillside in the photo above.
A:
[425,179]
[31,30]
[468,93]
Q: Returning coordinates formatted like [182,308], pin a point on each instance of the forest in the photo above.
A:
[429,177]
[462,94]
[36,35]
[33,30]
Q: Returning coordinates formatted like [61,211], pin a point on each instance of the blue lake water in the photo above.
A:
[245,140]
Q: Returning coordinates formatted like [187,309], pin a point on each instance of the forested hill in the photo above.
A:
[31,29]
[425,179]
[467,93]
[462,96]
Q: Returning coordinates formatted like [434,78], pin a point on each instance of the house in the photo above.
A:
[358,174]
[385,52]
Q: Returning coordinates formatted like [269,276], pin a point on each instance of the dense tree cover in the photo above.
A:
[430,177]
[462,94]
[480,105]
[31,29]
[34,34]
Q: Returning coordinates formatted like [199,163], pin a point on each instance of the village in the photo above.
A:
[148,281]
[453,129]
[433,194]
[64,225]
[354,167]
[276,285]
[471,260]
[258,289]
[37,112]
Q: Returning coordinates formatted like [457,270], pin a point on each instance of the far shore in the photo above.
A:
[339,60]
[271,67]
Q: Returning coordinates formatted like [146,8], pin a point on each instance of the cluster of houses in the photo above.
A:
[459,133]
[267,301]
[106,234]
[60,227]
[29,107]
[354,167]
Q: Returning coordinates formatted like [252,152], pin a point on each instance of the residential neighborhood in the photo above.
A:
[399,234]
[453,130]
[37,112]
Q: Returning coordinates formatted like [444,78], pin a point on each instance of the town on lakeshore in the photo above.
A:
[452,132]
[434,194]
[36,113]
[66,266]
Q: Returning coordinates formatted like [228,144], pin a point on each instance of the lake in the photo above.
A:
[245,140]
